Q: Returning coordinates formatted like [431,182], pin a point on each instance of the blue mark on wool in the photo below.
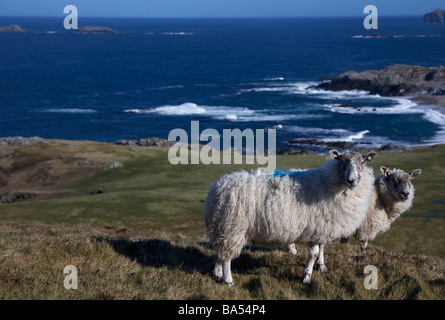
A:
[283,172]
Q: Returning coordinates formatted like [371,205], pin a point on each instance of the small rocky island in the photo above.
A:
[95,29]
[14,28]
[437,16]
[393,80]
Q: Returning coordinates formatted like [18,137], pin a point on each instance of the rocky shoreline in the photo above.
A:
[393,80]
[302,149]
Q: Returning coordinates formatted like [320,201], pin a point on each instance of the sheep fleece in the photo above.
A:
[309,206]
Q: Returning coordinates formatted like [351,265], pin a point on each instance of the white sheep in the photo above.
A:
[393,194]
[310,206]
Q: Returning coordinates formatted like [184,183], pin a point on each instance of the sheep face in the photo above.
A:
[351,166]
[399,182]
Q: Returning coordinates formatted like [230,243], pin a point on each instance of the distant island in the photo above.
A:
[437,16]
[393,80]
[14,28]
[367,36]
[95,29]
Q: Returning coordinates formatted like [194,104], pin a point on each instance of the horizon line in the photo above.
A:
[225,17]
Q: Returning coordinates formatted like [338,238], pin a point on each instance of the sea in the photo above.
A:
[157,75]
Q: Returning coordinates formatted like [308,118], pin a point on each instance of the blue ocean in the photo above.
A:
[156,75]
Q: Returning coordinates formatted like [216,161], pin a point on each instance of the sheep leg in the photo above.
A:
[363,245]
[313,250]
[292,248]
[218,271]
[227,274]
[320,260]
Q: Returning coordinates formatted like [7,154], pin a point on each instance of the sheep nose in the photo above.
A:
[351,181]
[405,194]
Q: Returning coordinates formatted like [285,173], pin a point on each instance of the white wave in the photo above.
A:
[359,36]
[178,33]
[142,110]
[190,108]
[149,33]
[259,117]
[437,118]
[50,32]
[314,131]
[402,106]
[168,87]
[427,36]
[274,79]
[70,110]
[377,36]
[328,134]
[350,137]
[307,88]
[266,89]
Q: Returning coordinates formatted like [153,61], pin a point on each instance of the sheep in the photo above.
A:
[392,195]
[311,206]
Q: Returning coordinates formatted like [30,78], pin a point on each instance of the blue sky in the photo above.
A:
[217,8]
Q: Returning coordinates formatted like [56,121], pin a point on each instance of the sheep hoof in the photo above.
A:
[323,268]
[307,278]
[292,249]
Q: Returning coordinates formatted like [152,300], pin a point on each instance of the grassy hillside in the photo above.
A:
[123,264]
[149,194]
[69,192]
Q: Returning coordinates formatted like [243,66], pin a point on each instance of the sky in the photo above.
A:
[217,8]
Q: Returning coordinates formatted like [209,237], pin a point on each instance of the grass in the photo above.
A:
[155,244]
[123,264]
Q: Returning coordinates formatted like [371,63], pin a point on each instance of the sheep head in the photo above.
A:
[351,166]
[399,182]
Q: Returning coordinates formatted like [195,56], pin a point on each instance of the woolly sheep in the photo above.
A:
[311,206]
[392,195]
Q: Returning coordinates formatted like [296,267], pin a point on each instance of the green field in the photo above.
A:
[150,198]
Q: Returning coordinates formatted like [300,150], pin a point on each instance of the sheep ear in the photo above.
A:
[334,154]
[369,156]
[386,172]
[415,173]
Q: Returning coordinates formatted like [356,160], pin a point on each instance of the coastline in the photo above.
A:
[431,100]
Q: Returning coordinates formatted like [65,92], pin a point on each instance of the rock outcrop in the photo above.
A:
[147,142]
[20,141]
[14,28]
[394,80]
[95,29]
[437,16]
[15,196]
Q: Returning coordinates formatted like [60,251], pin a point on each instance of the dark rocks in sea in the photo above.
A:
[95,29]
[393,80]
[147,142]
[392,147]
[293,152]
[331,144]
[346,145]
[379,35]
[346,105]
[14,28]
[437,16]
